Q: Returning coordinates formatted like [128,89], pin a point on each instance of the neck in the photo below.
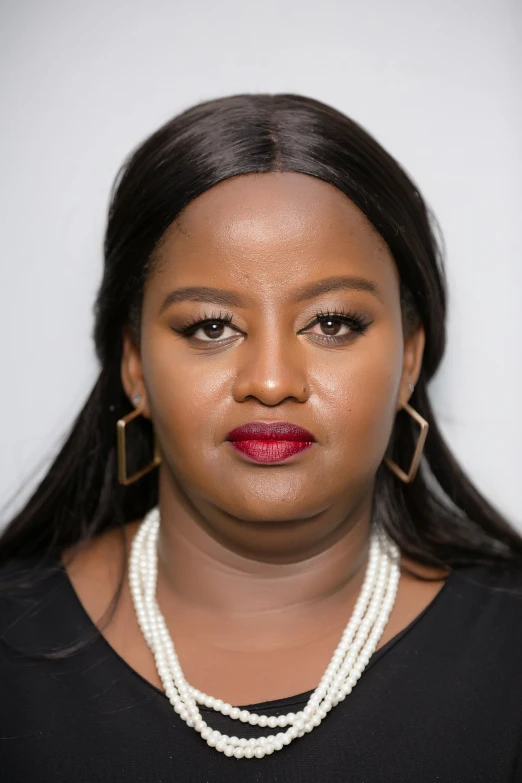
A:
[269,569]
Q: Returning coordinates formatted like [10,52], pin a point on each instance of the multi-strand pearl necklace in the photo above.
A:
[357,645]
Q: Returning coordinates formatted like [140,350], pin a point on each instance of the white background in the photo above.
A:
[437,83]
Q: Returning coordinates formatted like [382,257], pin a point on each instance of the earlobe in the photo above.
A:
[131,372]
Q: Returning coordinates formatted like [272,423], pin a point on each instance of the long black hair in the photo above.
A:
[438,519]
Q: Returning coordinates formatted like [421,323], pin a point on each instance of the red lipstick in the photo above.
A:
[270,441]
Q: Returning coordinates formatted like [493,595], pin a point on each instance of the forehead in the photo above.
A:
[272,229]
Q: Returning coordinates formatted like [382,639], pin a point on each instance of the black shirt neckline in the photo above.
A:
[284,702]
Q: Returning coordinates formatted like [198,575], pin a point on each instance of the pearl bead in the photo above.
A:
[349,659]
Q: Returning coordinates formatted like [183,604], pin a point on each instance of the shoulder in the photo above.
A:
[485,602]
[25,582]
[37,612]
[40,593]
[493,580]
[26,579]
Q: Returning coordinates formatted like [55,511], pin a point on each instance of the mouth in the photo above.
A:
[269,442]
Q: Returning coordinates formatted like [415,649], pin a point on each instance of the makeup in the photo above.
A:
[270,441]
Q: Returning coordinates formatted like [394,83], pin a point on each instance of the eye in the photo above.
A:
[210,328]
[333,327]
[339,326]
[212,331]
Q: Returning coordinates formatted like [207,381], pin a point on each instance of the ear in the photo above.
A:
[412,361]
[132,375]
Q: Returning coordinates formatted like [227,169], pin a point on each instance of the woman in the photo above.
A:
[255,558]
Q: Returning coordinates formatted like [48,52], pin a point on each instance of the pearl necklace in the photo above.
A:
[357,645]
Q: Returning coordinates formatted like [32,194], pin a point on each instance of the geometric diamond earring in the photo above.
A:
[408,477]
[122,459]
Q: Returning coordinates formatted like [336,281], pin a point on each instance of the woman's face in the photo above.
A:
[263,243]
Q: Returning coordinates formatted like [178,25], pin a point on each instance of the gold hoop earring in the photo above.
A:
[408,477]
[122,458]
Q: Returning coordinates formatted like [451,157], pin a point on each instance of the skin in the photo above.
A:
[260,565]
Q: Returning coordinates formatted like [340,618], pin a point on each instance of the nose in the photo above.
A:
[270,369]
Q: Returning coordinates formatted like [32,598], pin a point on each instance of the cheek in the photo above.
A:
[358,396]
[187,404]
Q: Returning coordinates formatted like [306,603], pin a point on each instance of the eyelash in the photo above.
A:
[357,323]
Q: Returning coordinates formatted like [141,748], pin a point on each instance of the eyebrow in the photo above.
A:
[231,299]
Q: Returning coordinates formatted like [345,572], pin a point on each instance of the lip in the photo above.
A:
[267,442]
[270,430]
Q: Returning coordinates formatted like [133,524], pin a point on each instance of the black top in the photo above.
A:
[441,701]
